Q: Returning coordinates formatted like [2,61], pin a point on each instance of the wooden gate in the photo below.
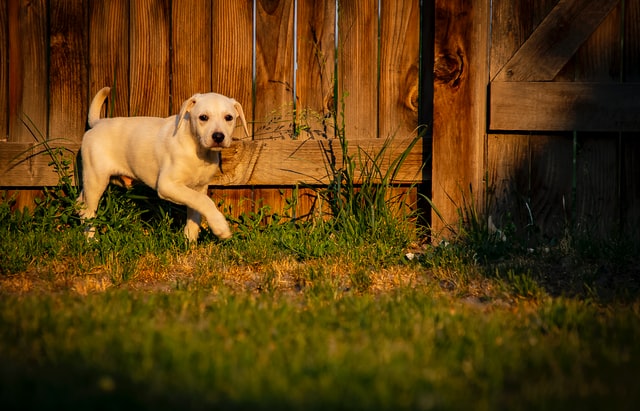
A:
[304,71]
[549,90]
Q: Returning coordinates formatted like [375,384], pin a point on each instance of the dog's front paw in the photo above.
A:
[224,235]
[221,229]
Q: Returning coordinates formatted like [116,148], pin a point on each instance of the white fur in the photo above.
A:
[177,156]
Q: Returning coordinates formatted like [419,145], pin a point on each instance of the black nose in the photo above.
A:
[218,137]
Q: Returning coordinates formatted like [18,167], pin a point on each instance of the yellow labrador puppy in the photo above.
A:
[177,156]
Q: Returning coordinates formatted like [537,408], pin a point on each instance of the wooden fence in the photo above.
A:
[531,107]
[297,67]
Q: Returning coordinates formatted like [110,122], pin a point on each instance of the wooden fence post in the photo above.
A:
[460,101]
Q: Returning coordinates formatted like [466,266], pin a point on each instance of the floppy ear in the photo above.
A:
[238,107]
[184,110]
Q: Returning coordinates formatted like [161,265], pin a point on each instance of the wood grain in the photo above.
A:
[149,71]
[28,164]
[289,162]
[4,72]
[233,201]
[191,47]
[357,68]
[508,197]
[247,163]
[274,92]
[28,71]
[232,53]
[399,71]
[555,40]
[511,25]
[597,184]
[564,106]
[552,197]
[109,53]
[599,59]
[315,75]
[461,72]
[68,73]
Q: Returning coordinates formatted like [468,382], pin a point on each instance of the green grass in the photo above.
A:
[139,319]
[324,313]
[411,348]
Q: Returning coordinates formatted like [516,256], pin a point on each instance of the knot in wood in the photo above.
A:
[447,68]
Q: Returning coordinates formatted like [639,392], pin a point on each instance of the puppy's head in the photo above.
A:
[212,119]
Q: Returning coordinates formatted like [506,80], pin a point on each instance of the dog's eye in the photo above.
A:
[203,117]
[228,117]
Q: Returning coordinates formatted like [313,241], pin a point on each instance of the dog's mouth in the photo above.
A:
[218,147]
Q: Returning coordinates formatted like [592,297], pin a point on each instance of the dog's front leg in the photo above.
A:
[198,203]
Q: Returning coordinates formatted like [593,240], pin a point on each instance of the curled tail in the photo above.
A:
[96,105]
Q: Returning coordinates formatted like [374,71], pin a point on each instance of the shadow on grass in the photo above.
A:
[74,387]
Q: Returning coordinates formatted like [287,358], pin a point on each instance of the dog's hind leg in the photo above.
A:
[88,201]
[192,228]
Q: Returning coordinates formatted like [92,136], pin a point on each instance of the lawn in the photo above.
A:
[210,327]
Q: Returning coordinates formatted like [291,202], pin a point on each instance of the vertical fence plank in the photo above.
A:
[274,91]
[274,69]
[459,118]
[4,71]
[68,76]
[149,71]
[191,48]
[232,54]
[109,52]
[315,76]
[630,167]
[508,160]
[508,198]
[510,27]
[551,183]
[358,68]
[631,50]
[232,75]
[551,180]
[630,186]
[597,158]
[28,75]
[399,58]
[597,184]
